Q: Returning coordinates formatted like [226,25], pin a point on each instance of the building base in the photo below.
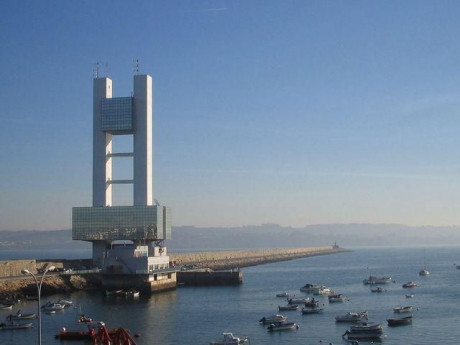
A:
[144,283]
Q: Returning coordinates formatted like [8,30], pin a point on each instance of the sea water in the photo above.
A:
[198,315]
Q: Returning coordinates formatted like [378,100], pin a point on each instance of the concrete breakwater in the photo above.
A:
[223,260]
[12,281]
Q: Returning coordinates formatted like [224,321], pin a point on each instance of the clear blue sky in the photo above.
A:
[288,112]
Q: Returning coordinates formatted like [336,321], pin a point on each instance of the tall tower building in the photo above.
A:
[128,241]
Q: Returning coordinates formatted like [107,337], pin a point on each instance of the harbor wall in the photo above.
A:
[225,260]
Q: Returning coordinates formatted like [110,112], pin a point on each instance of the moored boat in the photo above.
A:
[372,280]
[406,309]
[20,316]
[366,326]
[424,272]
[15,325]
[230,339]
[49,306]
[277,318]
[410,295]
[284,326]
[337,298]
[409,285]
[282,294]
[75,335]
[6,307]
[400,321]
[352,317]
[288,307]
[378,289]
[322,290]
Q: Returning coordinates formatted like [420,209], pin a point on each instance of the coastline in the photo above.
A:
[13,283]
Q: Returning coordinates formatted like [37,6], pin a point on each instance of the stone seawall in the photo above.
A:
[243,258]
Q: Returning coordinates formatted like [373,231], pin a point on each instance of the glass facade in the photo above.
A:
[117,114]
[121,223]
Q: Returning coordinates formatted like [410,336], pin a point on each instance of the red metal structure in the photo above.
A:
[118,336]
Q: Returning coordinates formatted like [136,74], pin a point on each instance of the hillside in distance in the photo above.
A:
[190,238]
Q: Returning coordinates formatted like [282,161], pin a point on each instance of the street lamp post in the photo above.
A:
[39,291]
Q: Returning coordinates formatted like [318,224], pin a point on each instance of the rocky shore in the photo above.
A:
[13,283]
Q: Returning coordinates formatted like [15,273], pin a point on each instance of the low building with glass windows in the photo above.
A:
[128,241]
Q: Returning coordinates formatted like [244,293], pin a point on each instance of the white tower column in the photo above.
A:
[102,145]
[143,141]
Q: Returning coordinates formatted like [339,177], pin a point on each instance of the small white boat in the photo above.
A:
[406,309]
[366,326]
[20,316]
[52,306]
[372,280]
[410,295]
[352,317]
[424,272]
[288,307]
[284,326]
[6,307]
[337,298]
[277,318]
[322,290]
[282,294]
[230,339]
[65,302]
[15,325]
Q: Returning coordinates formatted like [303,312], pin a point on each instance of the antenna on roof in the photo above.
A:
[136,66]
[107,69]
[96,70]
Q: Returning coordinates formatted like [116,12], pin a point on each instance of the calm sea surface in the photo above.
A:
[199,315]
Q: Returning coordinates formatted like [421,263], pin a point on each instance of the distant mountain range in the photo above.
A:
[190,238]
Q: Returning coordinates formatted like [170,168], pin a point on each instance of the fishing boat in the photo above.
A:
[284,326]
[352,317]
[337,298]
[322,290]
[230,339]
[409,285]
[65,302]
[15,325]
[364,330]
[403,321]
[288,307]
[424,272]
[406,309]
[20,316]
[378,289]
[75,335]
[277,318]
[313,303]
[49,306]
[372,280]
